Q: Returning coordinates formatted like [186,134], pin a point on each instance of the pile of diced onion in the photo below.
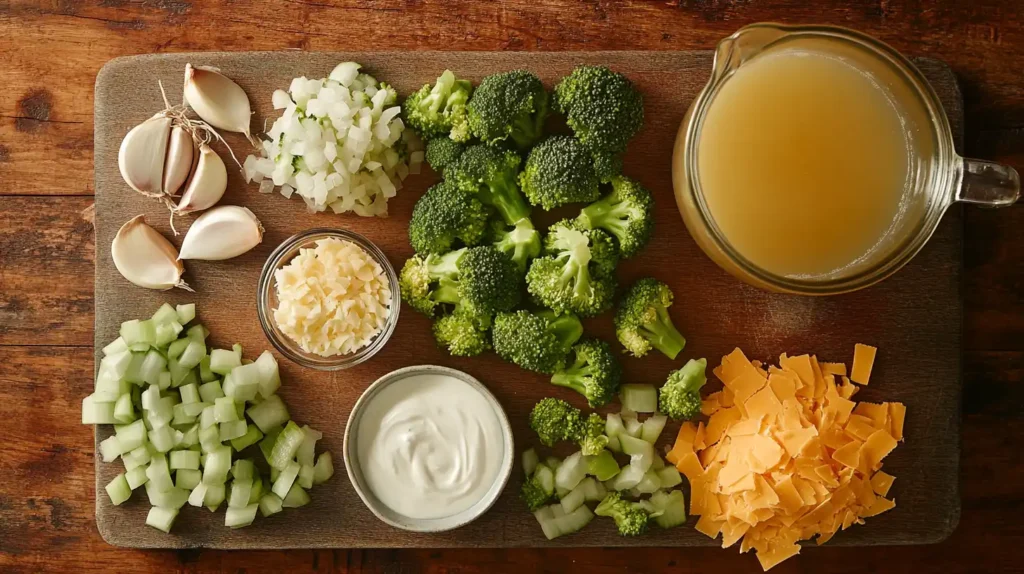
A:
[182,417]
[339,144]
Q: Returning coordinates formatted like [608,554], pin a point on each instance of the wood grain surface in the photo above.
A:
[914,318]
[51,53]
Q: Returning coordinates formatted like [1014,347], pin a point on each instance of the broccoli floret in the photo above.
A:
[463,333]
[558,171]
[607,165]
[679,397]
[480,280]
[627,213]
[440,110]
[520,242]
[442,152]
[535,341]
[592,439]
[630,518]
[511,105]
[576,275]
[642,320]
[534,494]
[555,420]
[595,373]
[491,174]
[446,216]
[602,108]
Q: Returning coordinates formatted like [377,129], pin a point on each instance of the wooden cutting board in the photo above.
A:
[914,318]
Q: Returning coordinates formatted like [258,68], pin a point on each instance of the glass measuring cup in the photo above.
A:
[937,176]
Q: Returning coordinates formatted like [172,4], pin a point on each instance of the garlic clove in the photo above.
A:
[178,164]
[222,233]
[142,154]
[145,257]
[217,99]
[207,184]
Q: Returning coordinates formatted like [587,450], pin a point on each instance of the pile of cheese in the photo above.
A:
[786,455]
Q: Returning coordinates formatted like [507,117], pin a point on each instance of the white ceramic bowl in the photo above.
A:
[386,514]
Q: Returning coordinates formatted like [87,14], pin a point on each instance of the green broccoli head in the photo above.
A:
[630,518]
[627,213]
[576,274]
[642,320]
[559,170]
[440,110]
[555,420]
[593,439]
[534,494]
[491,174]
[602,108]
[607,165]
[509,106]
[445,216]
[481,280]
[442,152]
[463,333]
[521,242]
[679,397]
[536,341]
[595,373]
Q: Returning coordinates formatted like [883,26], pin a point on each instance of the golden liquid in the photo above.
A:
[803,161]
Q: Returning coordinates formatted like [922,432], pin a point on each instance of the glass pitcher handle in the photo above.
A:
[987,183]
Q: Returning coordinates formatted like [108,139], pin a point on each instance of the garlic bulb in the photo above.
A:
[180,160]
[222,233]
[217,99]
[145,257]
[143,154]
[207,184]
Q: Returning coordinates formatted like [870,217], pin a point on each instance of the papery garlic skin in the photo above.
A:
[145,257]
[142,155]
[181,150]
[222,233]
[217,99]
[208,182]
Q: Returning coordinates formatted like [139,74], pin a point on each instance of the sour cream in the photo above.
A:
[429,446]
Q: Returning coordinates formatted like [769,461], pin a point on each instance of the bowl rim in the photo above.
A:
[288,348]
[425,525]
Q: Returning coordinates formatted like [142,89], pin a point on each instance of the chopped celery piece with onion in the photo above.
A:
[94,413]
[296,497]
[286,479]
[210,392]
[218,463]
[136,477]
[187,479]
[572,470]
[530,461]
[232,430]
[184,459]
[239,493]
[669,477]
[270,504]
[652,427]
[252,436]
[285,447]
[186,313]
[269,413]
[223,361]
[323,469]
[118,490]
[671,506]
[602,465]
[224,410]
[161,518]
[240,517]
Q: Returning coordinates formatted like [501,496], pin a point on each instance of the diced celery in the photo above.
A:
[672,508]
[110,448]
[159,474]
[633,426]
[240,410]
[530,460]
[184,459]
[136,477]
[669,477]
[136,331]
[257,490]
[232,430]
[237,350]
[285,446]
[205,374]
[218,463]
[176,348]
[198,494]
[131,462]
[323,469]
[613,428]
[633,446]
[243,469]
[286,479]
[161,518]
[270,504]
[117,346]
[131,436]
[239,493]
[171,498]
[652,428]
[209,438]
[595,491]
[187,479]
[142,348]
[193,354]
[274,473]
[222,361]
[134,373]
[195,409]
[214,496]
[269,438]
[162,438]
[190,437]
[657,463]
[649,483]
[118,490]
[243,382]
[553,462]
[224,410]
[211,391]
[572,470]
[164,380]
[639,398]
[295,498]
[305,479]
[240,517]
[627,478]
[152,366]
[270,378]
[197,333]
[94,413]
[123,411]
[186,313]
[165,314]
[150,398]
[167,332]
[307,450]
[560,492]
[116,363]
[602,465]
[252,436]
[574,499]
[555,522]
[181,417]
[269,413]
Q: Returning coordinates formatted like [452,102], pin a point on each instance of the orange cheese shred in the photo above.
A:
[786,454]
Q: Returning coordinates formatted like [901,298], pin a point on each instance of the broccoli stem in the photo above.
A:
[567,328]
[525,131]
[607,215]
[447,292]
[521,244]
[663,335]
[446,265]
[508,201]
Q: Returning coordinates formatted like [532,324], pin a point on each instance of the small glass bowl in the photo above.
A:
[266,300]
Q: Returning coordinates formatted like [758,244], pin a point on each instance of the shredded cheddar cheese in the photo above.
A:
[333,298]
[786,455]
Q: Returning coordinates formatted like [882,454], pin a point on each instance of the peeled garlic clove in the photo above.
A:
[208,182]
[222,233]
[217,99]
[145,257]
[178,164]
[142,154]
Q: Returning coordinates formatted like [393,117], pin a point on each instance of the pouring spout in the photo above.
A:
[743,45]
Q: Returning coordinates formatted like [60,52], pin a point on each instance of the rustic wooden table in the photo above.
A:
[50,53]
